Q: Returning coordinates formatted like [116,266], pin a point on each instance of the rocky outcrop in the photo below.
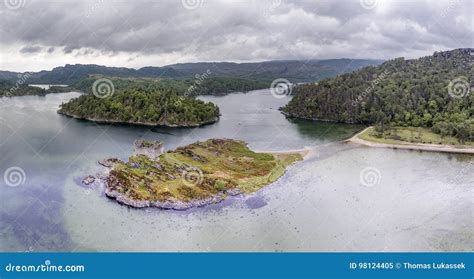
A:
[88,180]
[195,175]
[168,204]
[109,162]
[151,149]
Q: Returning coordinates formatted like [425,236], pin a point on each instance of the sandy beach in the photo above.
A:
[460,149]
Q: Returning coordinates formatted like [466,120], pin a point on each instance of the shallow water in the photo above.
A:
[418,201]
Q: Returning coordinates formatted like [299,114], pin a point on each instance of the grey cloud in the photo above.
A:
[68,49]
[30,49]
[240,30]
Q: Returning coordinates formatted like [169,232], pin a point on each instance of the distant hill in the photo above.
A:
[293,70]
[202,85]
[206,85]
[70,74]
[432,91]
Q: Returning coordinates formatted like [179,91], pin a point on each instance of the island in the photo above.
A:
[21,88]
[142,106]
[194,175]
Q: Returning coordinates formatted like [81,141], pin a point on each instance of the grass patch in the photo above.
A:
[409,135]
[198,171]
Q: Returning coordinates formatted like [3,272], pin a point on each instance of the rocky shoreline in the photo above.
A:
[148,168]
[152,150]
[100,181]
[148,124]
[169,204]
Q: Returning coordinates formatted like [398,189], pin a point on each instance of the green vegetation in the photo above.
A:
[126,84]
[141,143]
[143,106]
[204,84]
[9,88]
[224,85]
[406,93]
[197,171]
[404,135]
[20,88]
[154,101]
[191,79]
[294,70]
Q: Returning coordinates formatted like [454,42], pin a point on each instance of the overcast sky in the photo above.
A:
[40,35]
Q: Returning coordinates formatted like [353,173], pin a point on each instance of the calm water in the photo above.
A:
[419,201]
[47,86]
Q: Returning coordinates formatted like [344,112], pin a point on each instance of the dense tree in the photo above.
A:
[432,91]
[200,85]
[21,88]
[223,85]
[145,106]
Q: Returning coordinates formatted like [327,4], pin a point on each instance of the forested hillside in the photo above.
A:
[223,85]
[294,70]
[202,85]
[432,91]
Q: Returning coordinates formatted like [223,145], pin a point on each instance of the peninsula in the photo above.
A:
[410,138]
[431,93]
